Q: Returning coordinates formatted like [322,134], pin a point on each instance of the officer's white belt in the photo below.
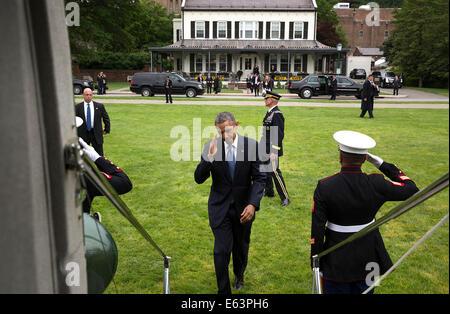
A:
[347,229]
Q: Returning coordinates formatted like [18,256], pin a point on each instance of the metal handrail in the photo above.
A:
[398,210]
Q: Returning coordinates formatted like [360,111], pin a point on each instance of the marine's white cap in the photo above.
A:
[354,142]
[78,121]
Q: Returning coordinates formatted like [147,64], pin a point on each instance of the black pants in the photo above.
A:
[277,177]
[256,90]
[168,95]
[367,106]
[231,237]
[396,91]
[208,88]
[333,94]
[91,140]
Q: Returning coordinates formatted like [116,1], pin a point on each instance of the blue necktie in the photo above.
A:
[231,161]
[88,118]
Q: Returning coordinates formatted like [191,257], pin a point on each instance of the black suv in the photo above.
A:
[151,83]
[358,74]
[315,85]
[80,84]
[384,78]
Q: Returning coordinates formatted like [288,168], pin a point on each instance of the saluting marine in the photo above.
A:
[272,140]
[346,203]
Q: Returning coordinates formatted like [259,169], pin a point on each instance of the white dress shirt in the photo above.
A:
[91,105]
[233,147]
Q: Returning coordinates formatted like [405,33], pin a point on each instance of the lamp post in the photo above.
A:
[339,48]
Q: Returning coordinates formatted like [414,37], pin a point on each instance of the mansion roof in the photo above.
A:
[244,45]
[253,5]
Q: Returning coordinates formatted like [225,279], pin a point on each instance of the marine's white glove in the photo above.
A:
[89,150]
[375,160]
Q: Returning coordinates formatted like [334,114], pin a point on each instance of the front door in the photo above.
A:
[248,63]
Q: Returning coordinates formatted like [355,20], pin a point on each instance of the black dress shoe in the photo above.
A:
[285,202]
[238,283]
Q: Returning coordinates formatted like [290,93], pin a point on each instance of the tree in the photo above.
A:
[119,26]
[328,30]
[418,46]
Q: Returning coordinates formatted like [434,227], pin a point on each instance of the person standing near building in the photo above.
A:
[396,85]
[268,83]
[368,94]
[236,191]
[249,83]
[92,114]
[256,84]
[168,89]
[272,141]
[346,203]
[216,84]
[333,87]
[209,83]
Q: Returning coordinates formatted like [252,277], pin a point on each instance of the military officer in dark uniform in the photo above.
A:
[272,141]
[346,203]
[115,175]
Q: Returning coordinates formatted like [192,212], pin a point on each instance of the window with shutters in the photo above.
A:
[275,30]
[221,29]
[284,63]
[273,63]
[200,29]
[199,63]
[248,30]
[223,63]
[298,63]
[298,30]
[212,63]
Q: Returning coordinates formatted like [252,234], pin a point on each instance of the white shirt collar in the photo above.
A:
[235,142]
[271,108]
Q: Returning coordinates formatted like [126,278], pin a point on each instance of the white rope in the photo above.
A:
[426,236]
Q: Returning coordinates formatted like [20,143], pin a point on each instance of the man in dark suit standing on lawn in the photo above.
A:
[92,114]
[236,191]
[168,89]
[368,94]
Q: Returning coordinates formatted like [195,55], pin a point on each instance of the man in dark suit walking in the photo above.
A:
[92,114]
[368,94]
[333,86]
[236,191]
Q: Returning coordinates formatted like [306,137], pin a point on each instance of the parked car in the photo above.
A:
[80,84]
[151,83]
[383,78]
[358,74]
[316,85]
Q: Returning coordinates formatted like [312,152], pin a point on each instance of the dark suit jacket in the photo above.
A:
[333,85]
[247,186]
[368,90]
[100,113]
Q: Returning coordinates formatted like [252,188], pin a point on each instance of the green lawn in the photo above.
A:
[439,91]
[173,208]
